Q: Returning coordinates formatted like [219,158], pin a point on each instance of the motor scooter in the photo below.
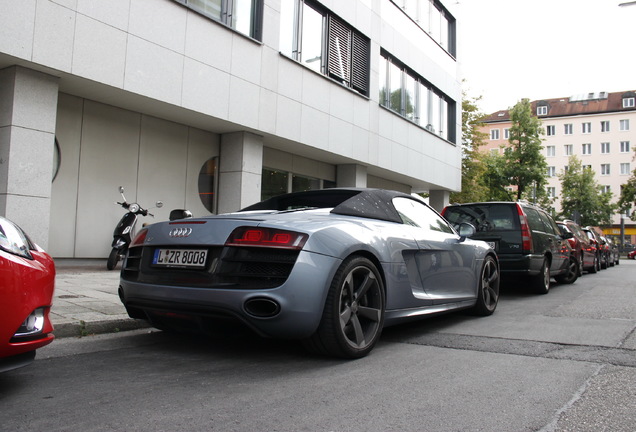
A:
[122,236]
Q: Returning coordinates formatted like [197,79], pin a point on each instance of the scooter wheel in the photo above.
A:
[113,258]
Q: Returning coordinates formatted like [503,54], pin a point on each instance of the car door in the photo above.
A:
[445,264]
[558,245]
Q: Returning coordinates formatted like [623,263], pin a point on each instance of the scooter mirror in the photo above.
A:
[159,204]
[121,189]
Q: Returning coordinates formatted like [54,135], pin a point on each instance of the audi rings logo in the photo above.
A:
[180,232]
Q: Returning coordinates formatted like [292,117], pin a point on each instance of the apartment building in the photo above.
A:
[212,105]
[598,128]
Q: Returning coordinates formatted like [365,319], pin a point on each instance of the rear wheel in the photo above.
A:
[113,258]
[596,265]
[488,292]
[541,282]
[353,317]
[571,274]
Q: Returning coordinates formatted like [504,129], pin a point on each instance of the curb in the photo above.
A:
[82,328]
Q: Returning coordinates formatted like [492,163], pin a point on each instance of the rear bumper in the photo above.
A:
[518,264]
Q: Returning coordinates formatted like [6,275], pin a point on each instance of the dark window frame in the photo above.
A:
[256,25]
[345,52]
[385,99]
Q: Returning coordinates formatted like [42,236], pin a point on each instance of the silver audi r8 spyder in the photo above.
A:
[329,267]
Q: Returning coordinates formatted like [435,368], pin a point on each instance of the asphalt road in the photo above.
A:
[565,361]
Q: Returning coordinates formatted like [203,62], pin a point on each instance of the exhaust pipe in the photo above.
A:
[262,307]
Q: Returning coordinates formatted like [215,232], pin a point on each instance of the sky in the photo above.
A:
[540,49]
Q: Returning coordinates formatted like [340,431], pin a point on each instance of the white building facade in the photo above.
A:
[212,105]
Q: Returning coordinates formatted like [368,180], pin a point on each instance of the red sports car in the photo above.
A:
[632,254]
[27,281]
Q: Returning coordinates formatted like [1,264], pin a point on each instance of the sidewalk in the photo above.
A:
[86,300]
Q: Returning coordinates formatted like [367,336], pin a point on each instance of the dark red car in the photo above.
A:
[582,247]
[27,280]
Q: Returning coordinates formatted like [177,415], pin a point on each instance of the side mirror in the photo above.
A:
[121,189]
[466,230]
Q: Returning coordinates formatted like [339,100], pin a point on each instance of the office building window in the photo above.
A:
[625,147]
[494,134]
[587,127]
[550,151]
[568,149]
[605,148]
[434,19]
[550,130]
[244,16]
[605,169]
[322,42]
[277,182]
[624,125]
[625,168]
[567,129]
[586,149]
[551,171]
[605,126]
[409,95]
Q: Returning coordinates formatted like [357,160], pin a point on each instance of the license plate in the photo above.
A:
[184,258]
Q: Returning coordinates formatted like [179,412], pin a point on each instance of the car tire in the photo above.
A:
[595,267]
[572,273]
[541,282]
[488,289]
[353,316]
[113,258]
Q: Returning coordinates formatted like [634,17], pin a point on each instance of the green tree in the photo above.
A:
[494,179]
[580,193]
[627,198]
[473,168]
[525,166]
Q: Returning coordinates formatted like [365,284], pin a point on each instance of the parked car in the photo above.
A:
[329,267]
[27,280]
[631,254]
[614,254]
[599,246]
[582,248]
[526,239]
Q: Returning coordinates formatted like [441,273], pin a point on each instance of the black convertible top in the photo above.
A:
[361,202]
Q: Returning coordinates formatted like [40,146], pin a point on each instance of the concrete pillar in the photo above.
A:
[28,109]
[240,171]
[438,199]
[351,175]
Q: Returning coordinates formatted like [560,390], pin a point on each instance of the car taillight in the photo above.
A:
[526,236]
[139,238]
[266,237]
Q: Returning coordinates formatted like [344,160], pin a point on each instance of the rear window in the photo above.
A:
[484,217]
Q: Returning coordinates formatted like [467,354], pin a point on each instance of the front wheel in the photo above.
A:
[488,291]
[353,316]
[113,258]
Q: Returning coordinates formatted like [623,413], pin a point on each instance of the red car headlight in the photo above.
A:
[14,240]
